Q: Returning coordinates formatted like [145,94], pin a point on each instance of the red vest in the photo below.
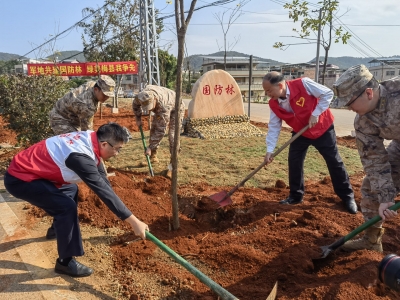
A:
[46,159]
[302,105]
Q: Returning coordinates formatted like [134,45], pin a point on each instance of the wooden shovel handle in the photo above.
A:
[264,162]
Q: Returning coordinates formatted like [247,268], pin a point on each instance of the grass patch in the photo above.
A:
[225,162]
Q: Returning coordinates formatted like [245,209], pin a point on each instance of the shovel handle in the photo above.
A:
[369,223]
[145,148]
[219,290]
[264,162]
[290,141]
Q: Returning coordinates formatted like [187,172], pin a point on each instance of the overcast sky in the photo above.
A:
[26,24]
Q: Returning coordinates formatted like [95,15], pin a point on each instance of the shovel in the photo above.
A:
[224,198]
[145,147]
[215,287]
[328,249]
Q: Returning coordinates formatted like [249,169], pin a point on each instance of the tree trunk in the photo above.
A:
[325,62]
[178,101]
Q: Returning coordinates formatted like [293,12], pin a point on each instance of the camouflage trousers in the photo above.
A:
[369,202]
[59,125]
[63,128]
[170,124]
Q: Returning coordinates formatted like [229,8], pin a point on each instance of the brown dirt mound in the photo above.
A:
[245,247]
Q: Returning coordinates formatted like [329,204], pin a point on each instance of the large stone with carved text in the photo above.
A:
[215,94]
[216,110]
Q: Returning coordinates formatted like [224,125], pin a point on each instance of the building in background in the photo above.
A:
[239,67]
[130,82]
[384,68]
[293,71]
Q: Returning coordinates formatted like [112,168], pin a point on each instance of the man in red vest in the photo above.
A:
[302,102]
[46,174]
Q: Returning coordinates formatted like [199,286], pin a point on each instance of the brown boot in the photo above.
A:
[153,157]
[372,240]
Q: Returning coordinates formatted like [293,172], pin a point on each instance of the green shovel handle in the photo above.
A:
[145,148]
[219,290]
[368,224]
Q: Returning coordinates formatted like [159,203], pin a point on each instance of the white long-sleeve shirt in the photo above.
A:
[313,88]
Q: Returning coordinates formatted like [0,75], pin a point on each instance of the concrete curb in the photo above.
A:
[25,270]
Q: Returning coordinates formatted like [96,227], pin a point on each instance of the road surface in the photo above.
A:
[344,118]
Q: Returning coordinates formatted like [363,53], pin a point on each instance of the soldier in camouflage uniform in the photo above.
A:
[161,101]
[378,117]
[75,110]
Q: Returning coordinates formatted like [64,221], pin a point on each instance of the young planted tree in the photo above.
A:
[182,24]
[233,16]
[323,22]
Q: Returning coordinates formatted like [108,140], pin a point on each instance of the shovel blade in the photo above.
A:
[222,198]
[272,295]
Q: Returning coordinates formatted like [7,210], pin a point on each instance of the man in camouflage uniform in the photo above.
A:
[75,110]
[378,117]
[161,101]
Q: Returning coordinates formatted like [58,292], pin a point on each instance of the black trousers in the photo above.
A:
[60,203]
[326,146]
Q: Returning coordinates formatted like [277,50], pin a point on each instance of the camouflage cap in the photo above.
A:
[107,85]
[351,83]
[145,99]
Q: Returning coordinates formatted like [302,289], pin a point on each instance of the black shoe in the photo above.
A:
[51,233]
[291,200]
[74,269]
[351,206]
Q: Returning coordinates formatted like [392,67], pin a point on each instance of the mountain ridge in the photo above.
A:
[60,56]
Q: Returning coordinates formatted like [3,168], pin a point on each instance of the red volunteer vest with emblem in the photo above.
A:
[46,159]
[302,105]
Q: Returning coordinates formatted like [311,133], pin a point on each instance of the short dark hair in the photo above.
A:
[274,77]
[113,133]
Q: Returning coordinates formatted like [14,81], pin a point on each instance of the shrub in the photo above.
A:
[25,103]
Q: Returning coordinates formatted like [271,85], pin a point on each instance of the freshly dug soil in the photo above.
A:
[245,247]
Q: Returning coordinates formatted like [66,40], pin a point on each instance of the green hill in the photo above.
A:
[8,56]
[69,55]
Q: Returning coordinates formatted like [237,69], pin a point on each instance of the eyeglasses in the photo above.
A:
[352,101]
[116,149]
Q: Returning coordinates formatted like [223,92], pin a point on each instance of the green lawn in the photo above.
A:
[228,161]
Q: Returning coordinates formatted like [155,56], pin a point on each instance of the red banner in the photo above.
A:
[84,69]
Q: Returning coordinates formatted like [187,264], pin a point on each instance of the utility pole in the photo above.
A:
[149,72]
[318,41]
[250,80]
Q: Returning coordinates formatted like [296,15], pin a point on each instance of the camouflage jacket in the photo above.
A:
[164,106]
[371,129]
[76,107]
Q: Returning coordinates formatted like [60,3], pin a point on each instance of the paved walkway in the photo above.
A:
[25,270]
